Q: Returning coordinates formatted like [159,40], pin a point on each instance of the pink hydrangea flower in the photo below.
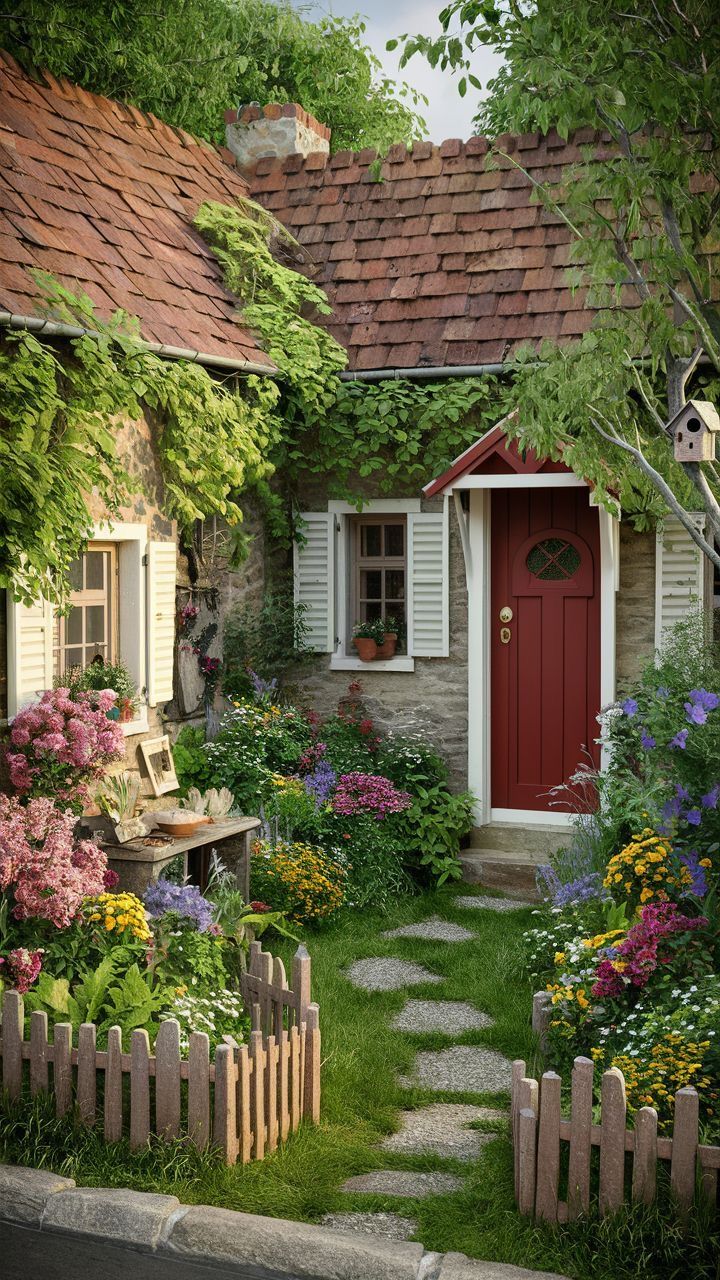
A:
[60,743]
[43,868]
[22,968]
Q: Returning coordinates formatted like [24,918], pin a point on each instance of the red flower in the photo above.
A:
[259,907]
[110,879]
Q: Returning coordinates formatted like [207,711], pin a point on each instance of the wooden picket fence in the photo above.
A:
[542,1169]
[246,1101]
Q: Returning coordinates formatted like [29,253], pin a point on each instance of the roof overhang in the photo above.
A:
[495,462]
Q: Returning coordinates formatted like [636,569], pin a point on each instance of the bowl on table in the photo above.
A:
[179,822]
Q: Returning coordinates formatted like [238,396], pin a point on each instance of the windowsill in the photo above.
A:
[138,725]
[339,662]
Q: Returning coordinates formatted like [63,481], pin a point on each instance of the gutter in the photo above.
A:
[54,329]
[434,371]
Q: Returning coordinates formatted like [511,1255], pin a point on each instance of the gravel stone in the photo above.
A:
[392,1226]
[435,929]
[479,902]
[386,973]
[441,1130]
[451,1017]
[403,1182]
[463,1068]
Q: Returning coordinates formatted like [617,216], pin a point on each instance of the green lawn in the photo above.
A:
[361,1058]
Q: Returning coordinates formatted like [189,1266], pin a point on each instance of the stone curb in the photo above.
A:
[222,1238]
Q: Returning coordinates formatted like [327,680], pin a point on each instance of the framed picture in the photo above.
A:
[157,754]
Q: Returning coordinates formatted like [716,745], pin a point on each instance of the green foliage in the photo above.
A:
[100,675]
[105,996]
[184,956]
[254,742]
[432,828]
[204,56]
[191,763]
[266,638]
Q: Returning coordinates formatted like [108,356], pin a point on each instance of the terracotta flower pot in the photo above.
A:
[127,711]
[388,646]
[367,648]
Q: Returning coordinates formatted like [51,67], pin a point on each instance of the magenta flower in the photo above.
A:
[45,870]
[368,793]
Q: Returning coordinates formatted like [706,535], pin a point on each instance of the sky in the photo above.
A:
[448,115]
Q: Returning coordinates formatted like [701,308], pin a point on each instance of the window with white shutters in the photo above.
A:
[314,577]
[680,574]
[30,652]
[162,569]
[428,608]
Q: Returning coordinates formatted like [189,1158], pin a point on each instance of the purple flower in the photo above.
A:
[321,782]
[663,693]
[680,739]
[262,688]
[185,900]
[695,713]
[582,889]
[694,817]
[710,799]
[630,707]
[681,792]
[703,698]
[699,886]
[647,740]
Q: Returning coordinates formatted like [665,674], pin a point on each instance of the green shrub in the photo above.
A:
[256,740]
[264,640]
[299,879]
[191,763]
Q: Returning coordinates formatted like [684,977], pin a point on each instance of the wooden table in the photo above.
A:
[139,866]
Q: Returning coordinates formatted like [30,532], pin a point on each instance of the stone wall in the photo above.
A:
[635,604]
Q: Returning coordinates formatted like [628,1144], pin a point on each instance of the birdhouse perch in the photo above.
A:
[694,429]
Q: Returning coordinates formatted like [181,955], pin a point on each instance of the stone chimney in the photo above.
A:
[281,131]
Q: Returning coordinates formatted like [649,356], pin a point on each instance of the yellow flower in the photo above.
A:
[109,923]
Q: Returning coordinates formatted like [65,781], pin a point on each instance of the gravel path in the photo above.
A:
[388,974]
[451,1017]
[442,1130]
[462,1068]
[434,929]
[480,903]
[403,1182]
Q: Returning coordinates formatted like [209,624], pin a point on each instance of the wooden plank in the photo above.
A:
[167,1080]
[527,1098]
[199,1089]
[284,1083]
[257,1094]
[709,1184]
[518,1073]
[271,1100]
[87,1073]
[294,1078]
[644,1175]
[243,1104]
[612,1141]
[580,1145]
[265,967]
[684,1148]
[548,1152]
[224,1124]
[301,982]
[113,1116]
[62,1067]
[279,983]
[139,1089]
[256,1016]
[38,1052]
[709,1157]
[527,1148]
[12,1059]
[255,949]
[311,1092]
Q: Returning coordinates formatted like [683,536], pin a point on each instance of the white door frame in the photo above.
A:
[478,571]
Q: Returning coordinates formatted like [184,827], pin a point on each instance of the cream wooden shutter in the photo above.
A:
[679,574]
[162,564]
[428,619]
[314,578]
[30,652]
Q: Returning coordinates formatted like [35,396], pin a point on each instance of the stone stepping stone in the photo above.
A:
[391,1226]
[434,929]
[441,1130]
[451,1017]
[403,1182]
[386,973]
[480,903]
[463,1068]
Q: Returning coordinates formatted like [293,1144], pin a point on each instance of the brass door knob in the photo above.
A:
[506,613]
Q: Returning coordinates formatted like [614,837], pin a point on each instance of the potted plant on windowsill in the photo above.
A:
[366,637]
[387,646]
[106,675]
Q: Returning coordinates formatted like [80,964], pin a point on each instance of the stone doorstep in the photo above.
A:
[222,1238]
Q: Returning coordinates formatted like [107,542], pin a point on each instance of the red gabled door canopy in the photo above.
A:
[493,454]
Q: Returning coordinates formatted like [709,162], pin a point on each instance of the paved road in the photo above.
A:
[35,1255]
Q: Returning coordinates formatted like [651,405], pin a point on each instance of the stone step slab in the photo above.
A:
[386,973]
[449,1017]
[516,877]
[461,1068]
[479,902]
[442,1130]
[403,1182]
[391,1226]
[434,930]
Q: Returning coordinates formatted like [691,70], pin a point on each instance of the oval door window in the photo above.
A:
[553,559]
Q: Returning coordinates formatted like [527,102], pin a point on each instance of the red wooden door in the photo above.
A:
[545,659]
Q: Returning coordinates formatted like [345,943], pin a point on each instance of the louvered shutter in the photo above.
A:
[162,564]
[428,609]
[679,574]
[30,655]
[314,577]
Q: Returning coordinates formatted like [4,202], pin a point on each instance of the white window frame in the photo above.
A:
[342,659]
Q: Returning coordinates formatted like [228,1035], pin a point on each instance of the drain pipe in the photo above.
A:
[55,329]
[434,371]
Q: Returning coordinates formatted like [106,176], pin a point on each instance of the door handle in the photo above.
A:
[505,635]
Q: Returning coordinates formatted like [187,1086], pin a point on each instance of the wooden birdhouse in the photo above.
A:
[694,429]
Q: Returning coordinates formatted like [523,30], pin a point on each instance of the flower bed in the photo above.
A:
[627,943]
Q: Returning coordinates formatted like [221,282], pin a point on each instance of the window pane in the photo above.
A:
[370,584]
[76,575]
[371,610]
[394,540]
[95,570]
[92,652]
[95,623]
[371,540]
[73,627]
[71,658]
[395,584]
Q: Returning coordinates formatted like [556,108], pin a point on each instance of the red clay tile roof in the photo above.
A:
[103,197]
[444,261]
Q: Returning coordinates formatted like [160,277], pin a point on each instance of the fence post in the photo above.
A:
[87,1073]
[580,1138]
[62,1067]
[139,1089]
[612,1141]
[38,1052]
[167,1080]
[518,1074]
[301,982]
[684,1148]
[548,1152]
[199,1089]
[113,1086]
[541,1010]
[644,1175]
[225,1124]
[257,1093]
[311,1101]
[12,1029]
[526,1146]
